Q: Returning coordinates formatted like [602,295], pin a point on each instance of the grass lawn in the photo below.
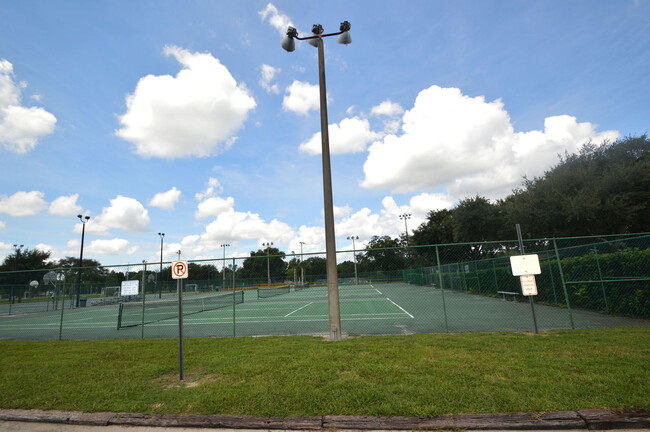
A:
[414,375]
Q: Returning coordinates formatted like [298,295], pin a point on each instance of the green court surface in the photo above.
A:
[394,308]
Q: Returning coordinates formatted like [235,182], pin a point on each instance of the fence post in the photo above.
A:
[234,324]
[600,277]
[62,309]
[550,271]
[144,294]
[442,290]
[566,295]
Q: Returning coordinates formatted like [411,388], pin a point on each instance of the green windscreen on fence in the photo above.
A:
[130,314]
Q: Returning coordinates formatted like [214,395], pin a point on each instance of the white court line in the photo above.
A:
[403,310]
[291,313]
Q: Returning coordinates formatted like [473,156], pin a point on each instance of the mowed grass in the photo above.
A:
[414,375]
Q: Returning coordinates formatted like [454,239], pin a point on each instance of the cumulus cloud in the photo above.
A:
[468,146]
[22,203]
[124,213]
[268,74]
[214,188]
[20,127]
[301,98]
[351,135]
[278,20]
[166,200]
[65,206]
[213,206]
[233,226]
[387,108]
[116,246]
[195,113]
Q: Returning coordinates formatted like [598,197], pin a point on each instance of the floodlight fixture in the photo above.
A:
[344,38]
[288,43]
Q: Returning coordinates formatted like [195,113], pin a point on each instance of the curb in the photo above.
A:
[594,419]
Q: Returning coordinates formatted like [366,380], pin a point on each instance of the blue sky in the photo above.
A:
[187,117]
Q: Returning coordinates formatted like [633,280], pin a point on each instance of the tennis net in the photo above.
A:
[272,292]
[130,314]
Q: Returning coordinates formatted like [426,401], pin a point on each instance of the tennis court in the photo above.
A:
[366,308]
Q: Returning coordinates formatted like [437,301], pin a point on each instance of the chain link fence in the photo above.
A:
[585,282]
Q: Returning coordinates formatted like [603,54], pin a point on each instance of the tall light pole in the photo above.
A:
[288,44]
[405,217]
[83,220]
[162,236]
[268,261]
[354,252]
[223,270]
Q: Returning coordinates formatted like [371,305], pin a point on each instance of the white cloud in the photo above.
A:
[278,20]
[65,206]
[301,98]
[213,206]
[351,135]
[387,108]
[233,226]
[268,74]
[468,146]
[20,127]
[116,246]
[3,226]
[214,188]
[22,203]
[166,200]
[126,214]
[195,113]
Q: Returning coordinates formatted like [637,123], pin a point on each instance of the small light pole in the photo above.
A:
[302,269]
[162,236]
[223,283]
[83,220]
[17,250]
[405,217]
[268,261]
[354,256]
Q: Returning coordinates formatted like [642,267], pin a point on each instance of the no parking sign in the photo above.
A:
[179,270]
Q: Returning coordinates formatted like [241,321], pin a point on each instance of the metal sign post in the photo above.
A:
[179,272]
[530,297]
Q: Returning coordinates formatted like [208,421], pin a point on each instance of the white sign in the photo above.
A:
[179,270]
[525,265]
[528,285]
[130,287]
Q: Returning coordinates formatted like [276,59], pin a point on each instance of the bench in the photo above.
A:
[505,293]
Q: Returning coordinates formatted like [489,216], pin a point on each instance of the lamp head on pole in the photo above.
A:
[345,38]
[288,42]
[317,30]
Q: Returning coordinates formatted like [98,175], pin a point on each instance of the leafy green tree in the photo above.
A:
[382,254]
[601,190]
[255,266]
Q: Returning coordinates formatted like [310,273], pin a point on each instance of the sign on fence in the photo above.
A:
[130,287]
